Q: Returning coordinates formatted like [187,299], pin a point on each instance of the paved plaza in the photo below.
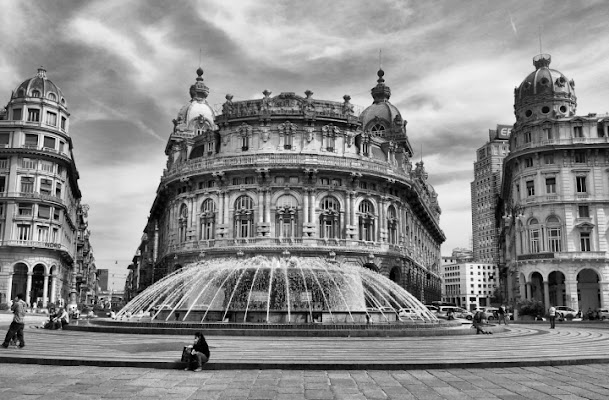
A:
[524,362]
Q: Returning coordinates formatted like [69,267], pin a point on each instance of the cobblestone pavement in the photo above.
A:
[20,381]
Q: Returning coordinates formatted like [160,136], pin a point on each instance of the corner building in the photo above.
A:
[555,196]
[289,175]
[41,226]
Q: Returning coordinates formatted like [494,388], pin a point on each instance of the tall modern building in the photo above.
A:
[485,191]
[42,229]
[291,175]
[555,195]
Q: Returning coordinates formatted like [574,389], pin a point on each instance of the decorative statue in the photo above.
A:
[227,107]
[266,101]
[347,107]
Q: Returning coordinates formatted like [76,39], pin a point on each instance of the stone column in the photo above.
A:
[9,287]
[312,215]
[221,207]
[305,207]
[546,294]
[571,293]
[353,208]
[383,221]
[260,206]
[267,217]
[226,208]
[528,291]
[604,287]
[45,290]
[28,297]
[53,288]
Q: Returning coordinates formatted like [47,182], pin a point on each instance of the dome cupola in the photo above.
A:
[39,86]
[381,118]
[197,114]
[544,93]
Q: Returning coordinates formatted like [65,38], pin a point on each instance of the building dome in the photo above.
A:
[40,87]
[381,113]
[197,112]
[544,93]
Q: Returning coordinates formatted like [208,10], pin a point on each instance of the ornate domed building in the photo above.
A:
[555,196]
[291,175]
[44,248]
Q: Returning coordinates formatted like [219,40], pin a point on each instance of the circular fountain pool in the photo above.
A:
[276,291]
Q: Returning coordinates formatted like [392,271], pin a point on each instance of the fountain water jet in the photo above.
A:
[272,290]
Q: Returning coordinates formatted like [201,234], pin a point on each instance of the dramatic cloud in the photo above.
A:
[125,68]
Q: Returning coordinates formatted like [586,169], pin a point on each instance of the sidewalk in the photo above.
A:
[521,345]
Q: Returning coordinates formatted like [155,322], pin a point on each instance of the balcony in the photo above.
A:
[33,196]
[34,243]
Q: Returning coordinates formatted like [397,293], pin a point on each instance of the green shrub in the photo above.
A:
[531,307]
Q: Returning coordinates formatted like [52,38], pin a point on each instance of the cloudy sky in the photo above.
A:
[125,68]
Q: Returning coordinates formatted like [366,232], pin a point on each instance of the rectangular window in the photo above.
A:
[44,212]
[5,139]
[528,162]
[535,241]
[580,157]
[554,240]
[51,118]
[56,214]
[548,159]
[27,184]
[245,143]
[49,142]
[547,133]
[550,185]
[55,235]
[31,141]
[584,241]
[46,186]
[43,233]
[584,212]
[63,123]
[23,232]
[17,114]
[287,142]
[33,115]
[47,166]
[530,188]
[578,131]
[61,146]
[527,137]
[580,183]
[60,170]
[58,190]
[2,184]
[25,209]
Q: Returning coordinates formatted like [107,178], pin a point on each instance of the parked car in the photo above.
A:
[564,312]
[406,314]
[432,308]
[458,312]
[603,313]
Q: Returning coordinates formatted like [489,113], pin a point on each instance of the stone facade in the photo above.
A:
[290,175]
[555,196]
[40,210]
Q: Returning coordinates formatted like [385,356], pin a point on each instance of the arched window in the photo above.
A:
[286,216]
[183,223]
[35,93]
[554,234]
[392,225]
[244,217]
[534,236]
[378,130]
[329,218]
[366,221]
[52,96]
[208,219]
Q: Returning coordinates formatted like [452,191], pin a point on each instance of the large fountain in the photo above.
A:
[276,291]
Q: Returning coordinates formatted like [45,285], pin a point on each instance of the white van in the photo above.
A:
[458,312]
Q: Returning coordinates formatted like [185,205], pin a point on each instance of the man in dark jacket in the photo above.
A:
[16,328]
[199,352]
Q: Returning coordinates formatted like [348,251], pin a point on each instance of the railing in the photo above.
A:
[565,141]
[33,195]
[566,255]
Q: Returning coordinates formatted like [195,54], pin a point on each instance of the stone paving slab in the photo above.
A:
[19,381]
[520,345]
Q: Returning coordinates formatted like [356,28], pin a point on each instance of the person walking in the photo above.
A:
[501,313]
[477,323]
[552,313]
[16,329]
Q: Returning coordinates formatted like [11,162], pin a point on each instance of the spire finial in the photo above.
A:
[200,57]
[540,50]
[380,58]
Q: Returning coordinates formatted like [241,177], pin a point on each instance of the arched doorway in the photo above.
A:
[537,287]
[588,290]
[37,285]
[556,285]
[19,280]
[396,275]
